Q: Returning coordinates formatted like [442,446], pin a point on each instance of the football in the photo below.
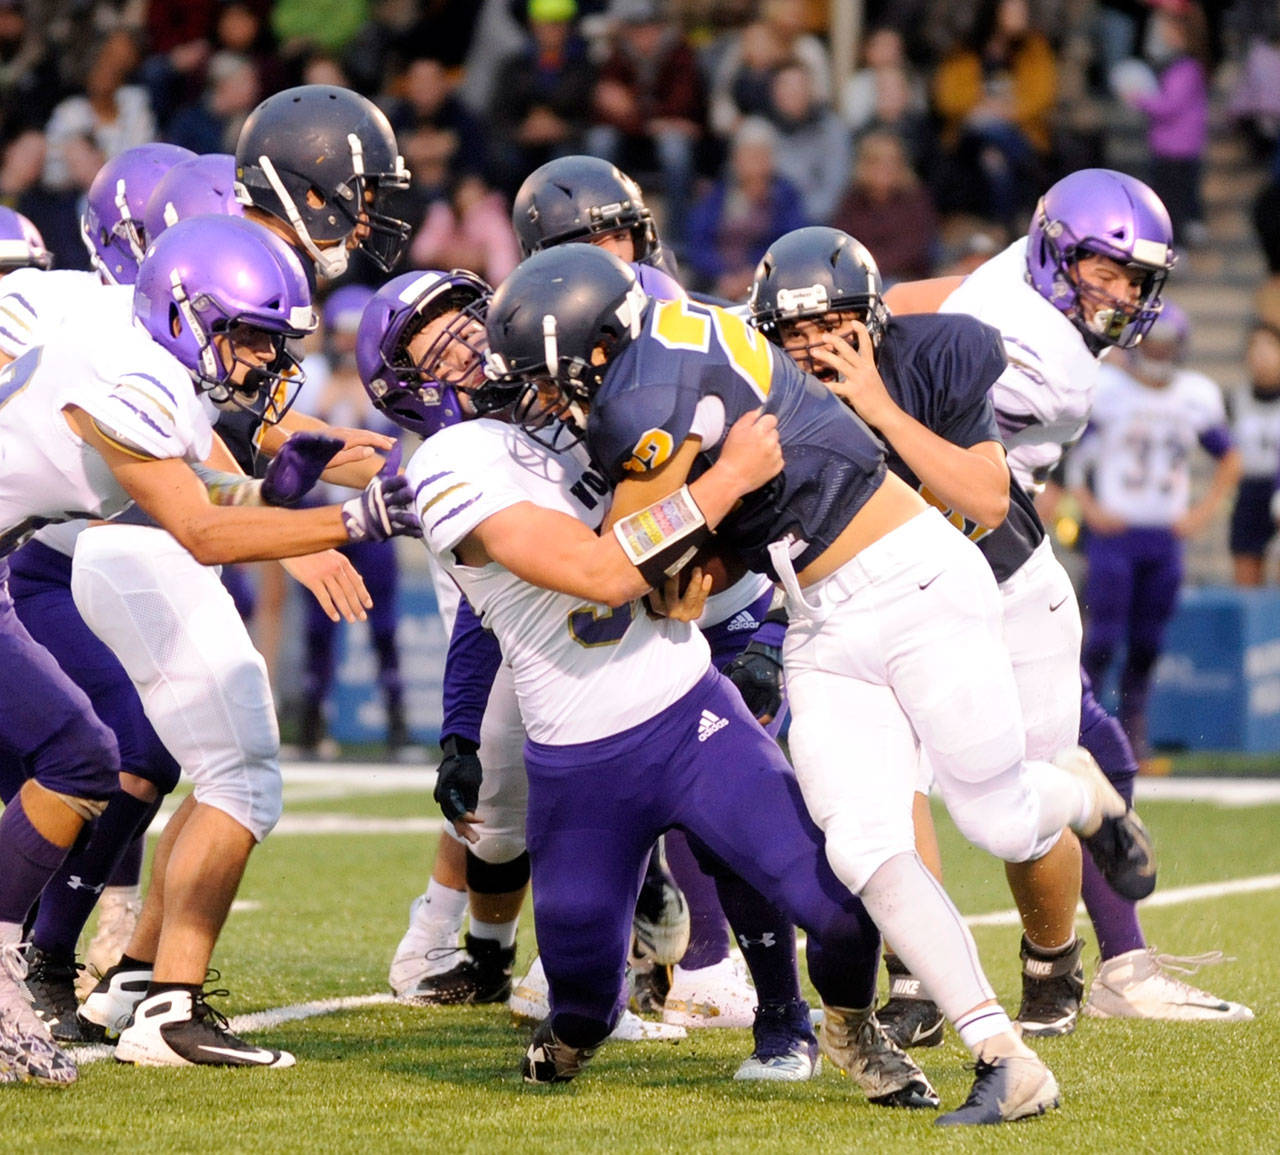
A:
[724,567]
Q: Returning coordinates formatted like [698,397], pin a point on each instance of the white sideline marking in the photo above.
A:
[1173,897]
[259,1020]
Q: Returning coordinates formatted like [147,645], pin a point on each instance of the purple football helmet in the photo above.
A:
[216,291]
[422,395]
[1099,211]
[111,224]
[21,245]
[192,188]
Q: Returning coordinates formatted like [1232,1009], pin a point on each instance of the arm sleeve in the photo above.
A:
[469,670]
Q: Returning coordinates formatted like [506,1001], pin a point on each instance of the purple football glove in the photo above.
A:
[385,508]
[297,467]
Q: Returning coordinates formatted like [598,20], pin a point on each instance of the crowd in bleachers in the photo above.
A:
[727,110]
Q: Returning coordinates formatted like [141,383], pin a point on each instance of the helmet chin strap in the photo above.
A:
[330,262]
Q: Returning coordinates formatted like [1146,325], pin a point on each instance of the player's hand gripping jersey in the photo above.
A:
[693,371]
[140,397]
[565,652]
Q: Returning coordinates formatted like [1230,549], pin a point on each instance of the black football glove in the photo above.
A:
[458,779]
[757,672]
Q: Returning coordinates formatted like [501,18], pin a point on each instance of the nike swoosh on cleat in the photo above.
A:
[266,1058]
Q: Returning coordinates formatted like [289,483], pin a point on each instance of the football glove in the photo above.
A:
[458,779]
[297,467]
[757,672]
[385,508]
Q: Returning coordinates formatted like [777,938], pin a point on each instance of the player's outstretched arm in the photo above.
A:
[558,552]
[972,480]
[171,493]
[920,296]
[355,464]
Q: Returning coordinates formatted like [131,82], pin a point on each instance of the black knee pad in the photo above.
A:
[497,878]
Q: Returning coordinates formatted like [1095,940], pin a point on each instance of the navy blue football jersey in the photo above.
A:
[688,353]
[939,368]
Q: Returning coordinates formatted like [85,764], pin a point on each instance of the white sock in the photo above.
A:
[914,913]
[503,932]
[444,904]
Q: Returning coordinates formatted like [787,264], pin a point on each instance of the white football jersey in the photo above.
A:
[139,395]
[1141,440]
[1255,426]
[1042,399]
[583,671]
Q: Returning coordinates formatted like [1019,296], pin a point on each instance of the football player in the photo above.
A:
[921,383]
[103,415]
[894,631]
[1086,278]
[419,352]
[1131,473]
[511,522]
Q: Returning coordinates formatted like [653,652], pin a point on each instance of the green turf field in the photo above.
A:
[320,916]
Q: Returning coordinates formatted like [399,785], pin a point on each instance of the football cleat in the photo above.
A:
[856,1044]
[548,1060]
[786,1049]
[480,974]
[118,910]
[650,985]
[178,1028]
[1134,985]
[1113,834]
[909,1018]
[1052,990]
[429,947]
[720,995]
[661,920]
[1003,1090]
[51,982]
[28,1053]
[110,1005]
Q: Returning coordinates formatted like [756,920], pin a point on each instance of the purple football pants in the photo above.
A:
[704,766]
[1130,595]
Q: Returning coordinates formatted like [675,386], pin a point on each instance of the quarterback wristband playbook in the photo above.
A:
[662,538]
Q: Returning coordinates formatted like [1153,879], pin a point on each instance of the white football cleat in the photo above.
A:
[118,910]
[179,1029]
[1134,985]
[720,995]
[429,947]
[28,1053]
[110,1005]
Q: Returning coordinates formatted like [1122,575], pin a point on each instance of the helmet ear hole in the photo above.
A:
[175,319]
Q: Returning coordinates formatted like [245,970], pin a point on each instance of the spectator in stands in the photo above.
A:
[1177,46]
[883,53]
[649,105]
[28,78]
[470,228]
[447,140]
[889,210]
[812,147]
[740,86]
[1255,98]
[56,211]
[115,114]
[732,225]
[1255,425]
[305,26]
[1131,474]
[542,95]
[231,93]
[995,92]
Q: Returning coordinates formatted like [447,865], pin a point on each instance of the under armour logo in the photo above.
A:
[78,883]
[767,939]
